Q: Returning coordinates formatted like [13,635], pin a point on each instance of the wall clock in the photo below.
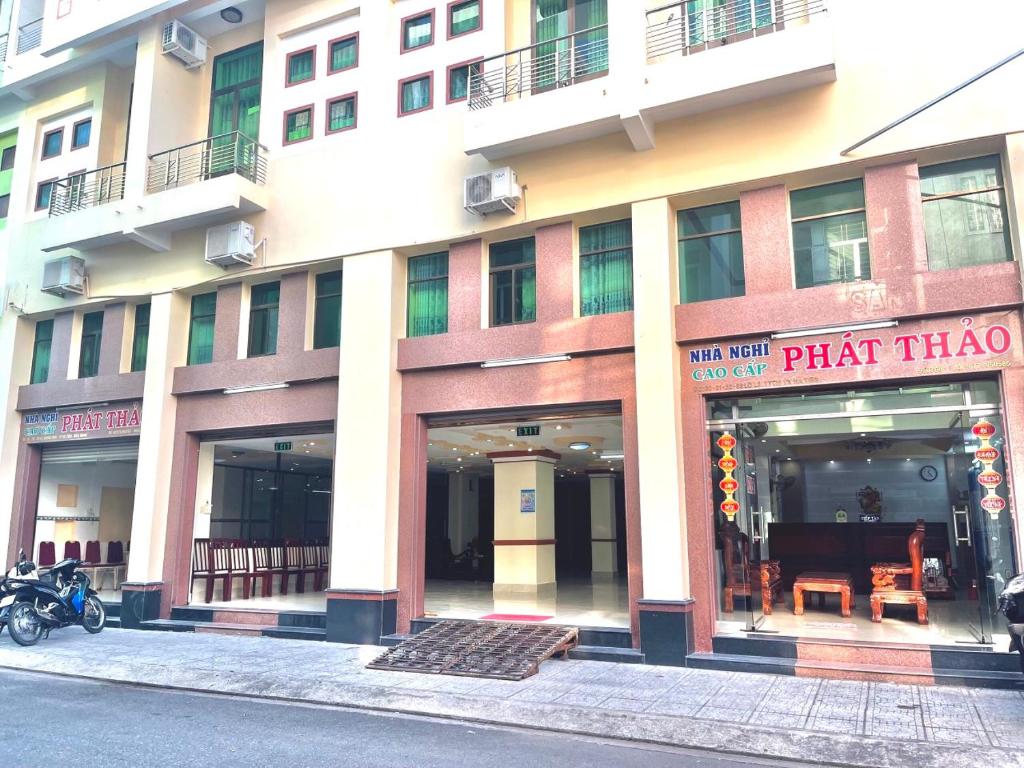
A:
[929,473]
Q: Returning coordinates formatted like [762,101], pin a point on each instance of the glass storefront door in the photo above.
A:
[833,485]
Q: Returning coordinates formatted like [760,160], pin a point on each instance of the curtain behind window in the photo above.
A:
[416,95]
[428,295]
[606,268]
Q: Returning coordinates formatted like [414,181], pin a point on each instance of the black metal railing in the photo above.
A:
[87,190]
[688,27]
[30,36]
[206,159]
[555,63]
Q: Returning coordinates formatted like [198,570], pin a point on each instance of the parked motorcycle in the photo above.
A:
[60,598]
[1011,605]
[22,569]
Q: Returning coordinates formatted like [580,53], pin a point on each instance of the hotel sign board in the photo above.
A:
[53,425]
[953,345]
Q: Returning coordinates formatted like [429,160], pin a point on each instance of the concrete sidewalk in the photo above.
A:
[819,721]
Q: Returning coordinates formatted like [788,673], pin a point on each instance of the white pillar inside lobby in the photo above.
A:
[603,549]
[364,524]
[658,410]
[524,515]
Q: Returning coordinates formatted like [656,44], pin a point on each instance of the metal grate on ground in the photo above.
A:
[497,650]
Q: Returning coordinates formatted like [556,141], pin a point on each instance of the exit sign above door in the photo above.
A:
[531,431]
[283,446]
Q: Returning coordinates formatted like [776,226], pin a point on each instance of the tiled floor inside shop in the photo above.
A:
[598,603]
[949,621]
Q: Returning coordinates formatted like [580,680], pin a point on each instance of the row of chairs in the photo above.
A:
[115,565]
[228,559]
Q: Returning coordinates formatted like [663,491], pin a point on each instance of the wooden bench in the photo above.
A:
[821,582]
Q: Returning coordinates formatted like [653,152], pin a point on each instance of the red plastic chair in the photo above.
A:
[47,554]
[72,550]
[92,553]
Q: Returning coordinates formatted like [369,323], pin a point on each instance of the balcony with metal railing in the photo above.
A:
[30,36]
[85,209]
[4,40]
[87,190]
[229,153]
[534,69]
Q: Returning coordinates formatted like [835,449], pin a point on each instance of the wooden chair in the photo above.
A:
[72,550]
[293,565]
[47,554]
[746,577]
[267,562]
[901,582]
[311,564]
[210,562]
[239,567]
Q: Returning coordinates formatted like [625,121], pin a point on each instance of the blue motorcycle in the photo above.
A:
[34,605]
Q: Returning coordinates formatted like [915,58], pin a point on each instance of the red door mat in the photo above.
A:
[491,649]
[514,617]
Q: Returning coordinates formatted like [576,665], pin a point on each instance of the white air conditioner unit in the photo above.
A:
[63,276]
[231,244]
[184,43]
[492,192]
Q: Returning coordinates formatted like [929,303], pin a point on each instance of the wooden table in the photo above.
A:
[821,582]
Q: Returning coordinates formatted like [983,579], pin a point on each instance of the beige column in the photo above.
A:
[524,525]
[463,509]
[167,349]
[658,417]
[18,335]
[364,527]
[603,550]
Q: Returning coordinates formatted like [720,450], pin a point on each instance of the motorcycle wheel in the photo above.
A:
[94,615]
[24,625]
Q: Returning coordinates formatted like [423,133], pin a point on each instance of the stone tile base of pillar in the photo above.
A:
[140,602]
[361,617]
[666,631]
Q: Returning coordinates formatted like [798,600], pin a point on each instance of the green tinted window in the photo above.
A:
[606,268]
[513,282]
[710,253]
[92,336]
[201,326]
[465,17]
[300,66]
[140,340]
[830,243]
[427,308]
[830,198]
[263,310]
[327,312]
[41,352]
[344,53]
[298,125]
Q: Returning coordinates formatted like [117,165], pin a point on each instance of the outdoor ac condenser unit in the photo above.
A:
[184,43]
[231,244]
[63,276]
[492,192]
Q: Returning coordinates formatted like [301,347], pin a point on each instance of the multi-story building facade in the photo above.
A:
[259,340]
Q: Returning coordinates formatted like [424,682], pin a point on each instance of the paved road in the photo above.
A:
[116,725]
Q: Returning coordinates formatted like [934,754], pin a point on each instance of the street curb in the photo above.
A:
[684,732]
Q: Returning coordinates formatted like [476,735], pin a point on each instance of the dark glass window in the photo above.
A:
[606,268]
[427,306]
[92,336]
[263,306]
[344,53]
[327,312]
[417,94]
[301,65]
[200,328]
[513,282]
[830,237]
[298,125]
[41,352]
[710,253]
[458,82]
[965,213]
[43,193]
[81,134]
[341,114]
[463,18]
[7,159]
[5,205]
[235,96]
[140,340]
[418,31]
[52,142]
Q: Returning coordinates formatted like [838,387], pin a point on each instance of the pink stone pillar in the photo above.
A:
[112,340]
[464,285]
[554,273]
[767,240]
[291,317]
[892,198]
[60,346]
[225,325]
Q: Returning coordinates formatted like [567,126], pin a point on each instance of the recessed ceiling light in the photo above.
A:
[863,434]
[455,449]
[510,445]
[231,15]
[789,458]
[558,426]
[764,441]
[869,461]
[580,446]
[831,461]
[778,450]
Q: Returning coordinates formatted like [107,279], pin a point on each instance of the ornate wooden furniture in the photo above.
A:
[901,582]
[822,582]
[746,577]
[848,548]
